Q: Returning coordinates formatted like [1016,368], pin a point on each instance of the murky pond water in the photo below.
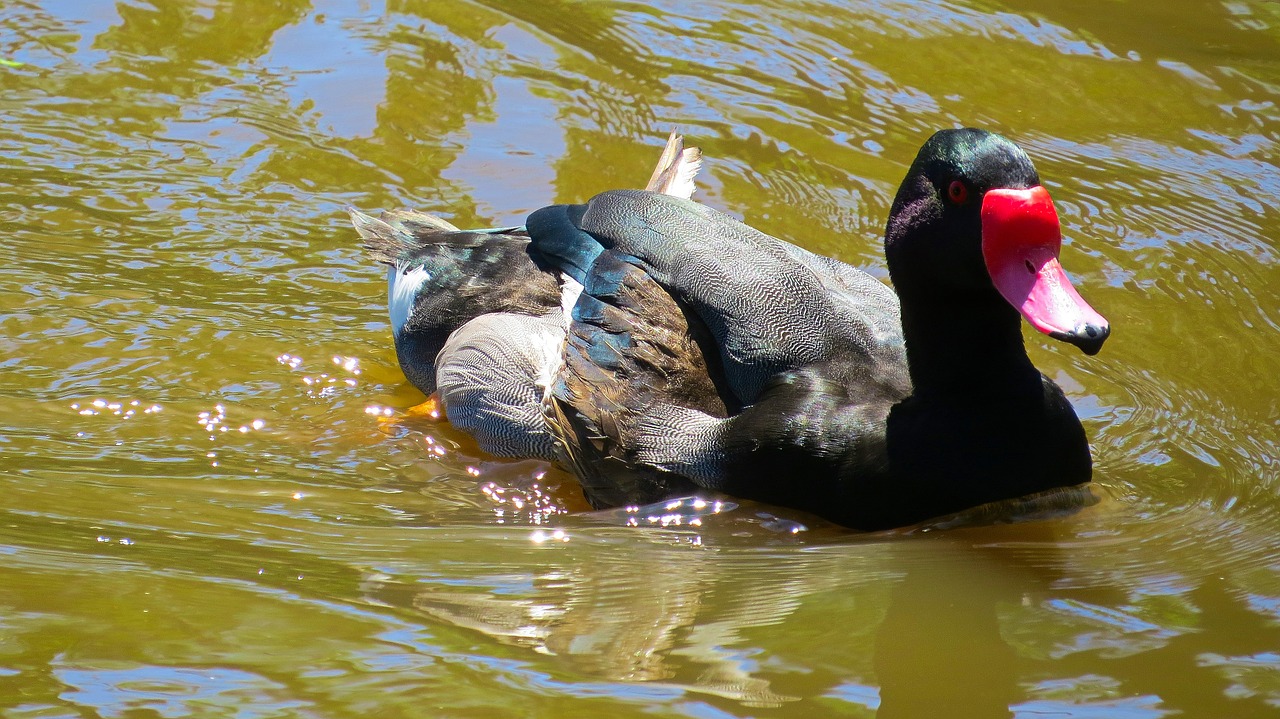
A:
[206,511]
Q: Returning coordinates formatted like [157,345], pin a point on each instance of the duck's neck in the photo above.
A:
[963,343]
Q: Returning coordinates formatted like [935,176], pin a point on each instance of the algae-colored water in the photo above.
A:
[201,514]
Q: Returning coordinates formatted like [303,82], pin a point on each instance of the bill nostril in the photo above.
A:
[1088,336]
[1030,267]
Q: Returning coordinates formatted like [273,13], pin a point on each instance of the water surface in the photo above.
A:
[208,511]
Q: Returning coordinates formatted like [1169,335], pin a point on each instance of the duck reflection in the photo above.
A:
[916,616]
[994,621]
[675,616]
[939,651]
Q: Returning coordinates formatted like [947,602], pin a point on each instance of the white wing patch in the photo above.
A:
[570,290]
[547,347]
[551,348]
[402,293]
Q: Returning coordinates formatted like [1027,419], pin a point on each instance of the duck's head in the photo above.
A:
[972,219]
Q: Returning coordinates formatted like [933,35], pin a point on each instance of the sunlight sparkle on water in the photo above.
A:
[214,422]
[215,419]
[325,384]
[541,537]
[350,364]
[537,506]
[124,409]
[674,513]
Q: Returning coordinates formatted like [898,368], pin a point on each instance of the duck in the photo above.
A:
[699,354]
[477,320]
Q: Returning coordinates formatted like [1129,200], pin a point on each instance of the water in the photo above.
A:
[208,511]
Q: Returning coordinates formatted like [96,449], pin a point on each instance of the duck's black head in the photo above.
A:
[971,220]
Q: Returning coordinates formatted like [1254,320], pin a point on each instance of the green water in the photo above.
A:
[202,516]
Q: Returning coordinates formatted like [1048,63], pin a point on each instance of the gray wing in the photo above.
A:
[772,306]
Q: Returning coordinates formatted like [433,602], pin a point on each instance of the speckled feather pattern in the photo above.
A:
[488,387]
[770,305]
[632,349]
[686,316]
[478,319]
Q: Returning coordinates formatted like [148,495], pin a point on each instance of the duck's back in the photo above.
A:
[687,316]
[770,306]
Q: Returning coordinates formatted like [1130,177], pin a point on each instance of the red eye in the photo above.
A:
[958,192]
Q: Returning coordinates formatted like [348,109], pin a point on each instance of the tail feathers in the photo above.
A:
[413,222]
[397,232]
[676,169]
